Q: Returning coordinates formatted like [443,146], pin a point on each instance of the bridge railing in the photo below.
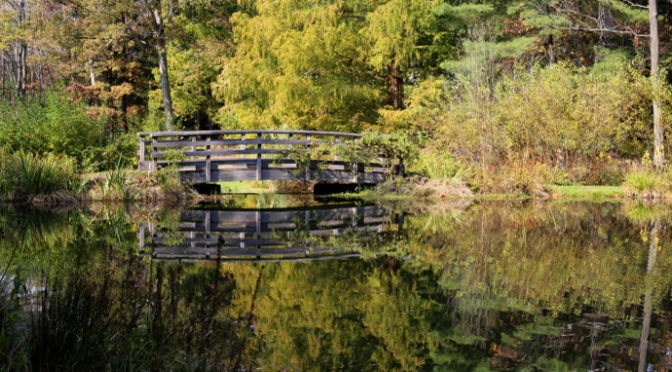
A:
[235,155]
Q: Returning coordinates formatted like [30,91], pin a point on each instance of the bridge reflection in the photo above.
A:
[335,232]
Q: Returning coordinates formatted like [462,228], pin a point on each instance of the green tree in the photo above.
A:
[396,30]
[199,37]
[300,65]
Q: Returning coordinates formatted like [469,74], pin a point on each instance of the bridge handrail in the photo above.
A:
[211,155]
[265,131]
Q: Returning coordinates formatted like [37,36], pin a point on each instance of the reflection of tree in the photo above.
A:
[654,242]
[563,258]
[551,287]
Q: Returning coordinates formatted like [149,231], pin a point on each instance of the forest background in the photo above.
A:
[502,96]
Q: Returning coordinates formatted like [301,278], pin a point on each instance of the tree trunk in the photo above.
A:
[163,66]
[4,75]
[165,87]
[548,47]
[21,70]
[92,75]
[21,51]
[654,43]
[395,86]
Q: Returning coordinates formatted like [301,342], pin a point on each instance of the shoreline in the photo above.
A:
[152,195]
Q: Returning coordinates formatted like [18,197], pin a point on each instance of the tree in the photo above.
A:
[298,64]
[395,29]
[14,59]
[200,38]
[654,45]
[156,20]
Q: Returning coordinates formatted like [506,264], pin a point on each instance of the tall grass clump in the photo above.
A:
[438,165]
[169,175]
[647,183]
[26,175]
[115,186]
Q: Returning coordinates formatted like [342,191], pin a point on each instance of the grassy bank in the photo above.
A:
[588,192]
[55,179]
[584,193]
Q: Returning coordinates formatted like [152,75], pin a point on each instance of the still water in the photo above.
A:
[275,284]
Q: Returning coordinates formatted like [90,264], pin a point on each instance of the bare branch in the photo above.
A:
[606,30]
[635,5]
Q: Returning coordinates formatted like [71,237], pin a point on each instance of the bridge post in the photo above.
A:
[355,171]
[310,161]
[206,223]
[242,145]
[401,168]
[152,164]
[141,152]
[141,237]
[208,168]
[193,148]
[259,161]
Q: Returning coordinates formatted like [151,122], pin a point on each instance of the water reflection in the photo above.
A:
[265,234]
[487,286]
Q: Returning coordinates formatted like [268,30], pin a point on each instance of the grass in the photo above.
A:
[370,195]
[588,192]
[562,192]
[249,187]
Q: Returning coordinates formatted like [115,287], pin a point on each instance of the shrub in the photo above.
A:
[121,151]
[581,124]
[49,124]
[514,177]
[169,175]
[372,146]
[562,113]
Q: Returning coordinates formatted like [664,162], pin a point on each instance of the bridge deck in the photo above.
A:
[243,155]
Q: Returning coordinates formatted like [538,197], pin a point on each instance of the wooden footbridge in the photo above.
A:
[266,235]
[244,155]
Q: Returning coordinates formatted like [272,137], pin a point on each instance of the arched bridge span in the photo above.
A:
[246,155]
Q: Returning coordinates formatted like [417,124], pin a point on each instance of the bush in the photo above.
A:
[121,151]
[51,124]
[372,146]
[169,175]
[115,186]
[25,175]
[561,113]
[514,177]
[581,124]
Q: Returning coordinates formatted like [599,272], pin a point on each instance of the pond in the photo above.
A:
[283,284]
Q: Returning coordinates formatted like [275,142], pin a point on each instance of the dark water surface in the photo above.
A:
[279,285]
